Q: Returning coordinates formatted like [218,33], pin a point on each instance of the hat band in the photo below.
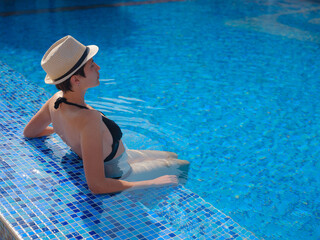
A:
[84,55]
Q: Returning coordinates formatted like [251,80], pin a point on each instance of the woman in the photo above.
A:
[108,166]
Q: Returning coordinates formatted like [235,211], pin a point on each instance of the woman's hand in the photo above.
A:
[165,181]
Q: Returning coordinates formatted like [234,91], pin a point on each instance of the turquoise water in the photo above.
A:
[232,87]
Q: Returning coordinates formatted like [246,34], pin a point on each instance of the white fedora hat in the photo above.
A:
[64,58]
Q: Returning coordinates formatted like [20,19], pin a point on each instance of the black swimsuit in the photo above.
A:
[111,125]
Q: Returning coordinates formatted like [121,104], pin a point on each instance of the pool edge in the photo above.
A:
[7,231]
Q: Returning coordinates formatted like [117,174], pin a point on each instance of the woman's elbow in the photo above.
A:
[97,189]
[103,187]
[27,133]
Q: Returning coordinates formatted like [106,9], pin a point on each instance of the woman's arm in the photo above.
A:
[110,185]
[39,124]
[92,156]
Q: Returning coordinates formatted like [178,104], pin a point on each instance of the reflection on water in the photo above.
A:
[272,24]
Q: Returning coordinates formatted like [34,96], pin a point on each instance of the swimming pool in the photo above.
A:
[230,86]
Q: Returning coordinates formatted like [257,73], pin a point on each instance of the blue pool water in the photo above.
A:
[231,86]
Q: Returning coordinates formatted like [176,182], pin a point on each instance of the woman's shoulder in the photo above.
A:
[88,120]
[54,97]
[89,115]
[86,117]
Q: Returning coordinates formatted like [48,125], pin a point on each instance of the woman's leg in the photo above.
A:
[143,155]
[150,169]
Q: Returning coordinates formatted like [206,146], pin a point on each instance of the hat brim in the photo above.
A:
[93,49]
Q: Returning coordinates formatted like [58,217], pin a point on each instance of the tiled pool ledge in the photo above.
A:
[43,193]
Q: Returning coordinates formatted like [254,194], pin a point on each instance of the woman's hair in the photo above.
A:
[65,86]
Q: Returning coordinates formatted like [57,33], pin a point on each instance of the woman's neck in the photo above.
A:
[75,97]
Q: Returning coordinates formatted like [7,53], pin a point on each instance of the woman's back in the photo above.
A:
[68,121]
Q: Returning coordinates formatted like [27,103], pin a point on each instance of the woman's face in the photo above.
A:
[91,70]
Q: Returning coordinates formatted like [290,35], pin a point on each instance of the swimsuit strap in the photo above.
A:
[64,100]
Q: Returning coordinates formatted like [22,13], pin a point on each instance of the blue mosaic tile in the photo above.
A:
[44,195]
